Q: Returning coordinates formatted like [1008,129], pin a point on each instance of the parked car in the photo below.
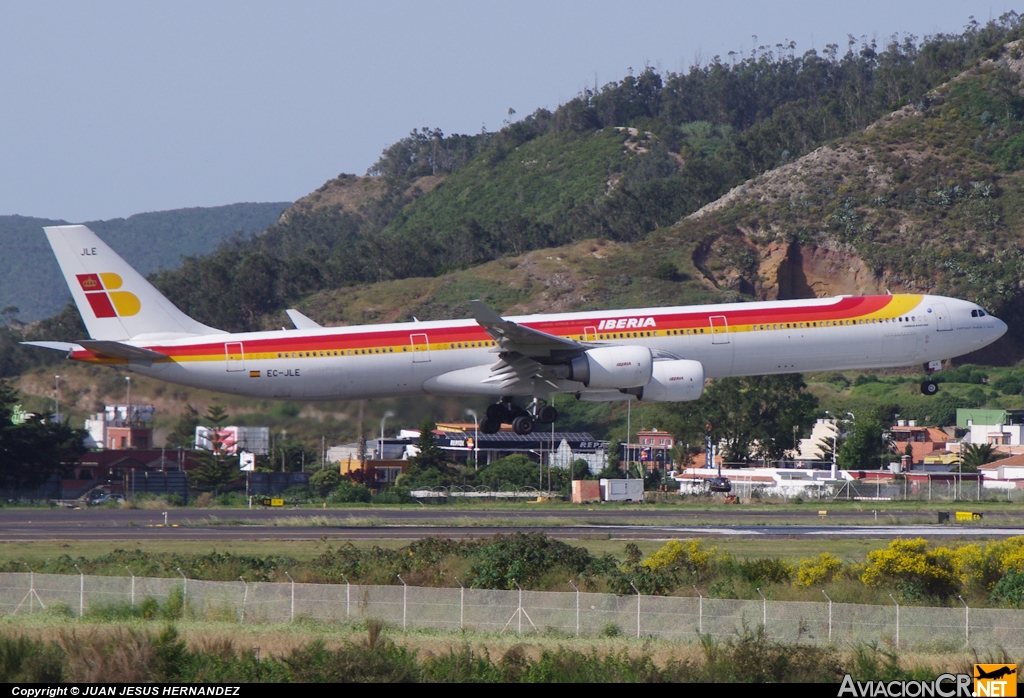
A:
[106,499]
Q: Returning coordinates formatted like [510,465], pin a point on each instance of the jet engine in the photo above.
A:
[681,380]
[610,368]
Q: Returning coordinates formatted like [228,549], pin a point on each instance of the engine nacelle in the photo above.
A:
[675,381]
[612,368]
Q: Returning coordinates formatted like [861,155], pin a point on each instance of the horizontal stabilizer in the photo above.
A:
[122,351]
[300,321]
[56,346]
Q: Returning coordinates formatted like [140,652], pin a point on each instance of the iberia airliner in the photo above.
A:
[653,354]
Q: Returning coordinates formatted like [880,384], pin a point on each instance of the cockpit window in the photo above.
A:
[978,312]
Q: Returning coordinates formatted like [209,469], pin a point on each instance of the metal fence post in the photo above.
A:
[897,621]
[291,617]
[637,609]
[700,610]
[829,615]
[967,621]
[81,593]
[245,597]
[577,607]
[462,603]
[133,584]
[764,611]
[348,588]
[405,591]
[184,592]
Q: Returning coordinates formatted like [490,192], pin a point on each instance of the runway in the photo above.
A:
[25,525]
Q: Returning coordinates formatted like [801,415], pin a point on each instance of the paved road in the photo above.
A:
[232,524]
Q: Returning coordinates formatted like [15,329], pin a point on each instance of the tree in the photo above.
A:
[429,467]
[218,468]
[324,481]
[34,450]
[867,443]
[754,415]
[184,433]
[973,456]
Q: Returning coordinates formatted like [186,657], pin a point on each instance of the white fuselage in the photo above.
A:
[739,339]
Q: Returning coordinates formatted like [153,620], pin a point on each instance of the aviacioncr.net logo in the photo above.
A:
[104,298]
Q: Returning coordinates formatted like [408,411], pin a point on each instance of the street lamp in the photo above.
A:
[128,410]
[476,439]
[56,398]
[383,419]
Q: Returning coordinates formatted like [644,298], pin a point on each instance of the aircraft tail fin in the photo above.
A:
[115,301]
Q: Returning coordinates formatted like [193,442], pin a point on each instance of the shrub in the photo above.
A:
[1009,589]
[674,555]
[348,491]
[324,481]
[912,568]
[817,570]
[772,570]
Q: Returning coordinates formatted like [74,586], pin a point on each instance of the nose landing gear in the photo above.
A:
[928,386]
[523,421]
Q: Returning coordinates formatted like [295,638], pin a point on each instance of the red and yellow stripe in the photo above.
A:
[846,311]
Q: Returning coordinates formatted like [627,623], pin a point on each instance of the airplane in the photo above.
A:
[651,354]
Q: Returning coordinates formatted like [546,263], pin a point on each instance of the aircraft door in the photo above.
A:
[942,321]
[235,356]
[719,329]
[590,334]
[420,348]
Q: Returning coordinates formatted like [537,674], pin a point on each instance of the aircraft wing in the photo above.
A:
[512,337]
[56,346]
[520,348]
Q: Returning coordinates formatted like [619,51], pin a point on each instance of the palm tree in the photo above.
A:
[973,456]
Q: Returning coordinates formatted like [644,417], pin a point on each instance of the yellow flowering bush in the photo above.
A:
[912,567]
[816,570]
[674,554]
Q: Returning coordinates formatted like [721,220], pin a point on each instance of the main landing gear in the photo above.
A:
[523,421]
[930,387]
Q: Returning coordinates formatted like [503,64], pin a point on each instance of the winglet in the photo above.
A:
[300,321]
[484,315]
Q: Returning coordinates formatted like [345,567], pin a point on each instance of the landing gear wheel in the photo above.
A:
[522,425]
[499,413]
[489,426]
[929,387]
[547,415]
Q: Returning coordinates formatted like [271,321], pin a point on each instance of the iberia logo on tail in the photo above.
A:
[104,298]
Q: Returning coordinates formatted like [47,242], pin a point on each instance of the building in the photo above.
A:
[118,471]
[121,427]
[817,447]
[235,439]
[463,442]
[924,442]
[652,448]
[995,427]
[374,473]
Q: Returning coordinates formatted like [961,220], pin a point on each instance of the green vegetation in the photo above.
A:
[137,654]
[614,163]
[914,571]
[36,448]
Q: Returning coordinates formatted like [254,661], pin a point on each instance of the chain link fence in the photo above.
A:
[496,611]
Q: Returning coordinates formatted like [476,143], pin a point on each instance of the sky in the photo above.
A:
[108,109]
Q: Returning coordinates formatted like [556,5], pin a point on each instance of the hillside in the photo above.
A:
[615,163]
[31,281]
